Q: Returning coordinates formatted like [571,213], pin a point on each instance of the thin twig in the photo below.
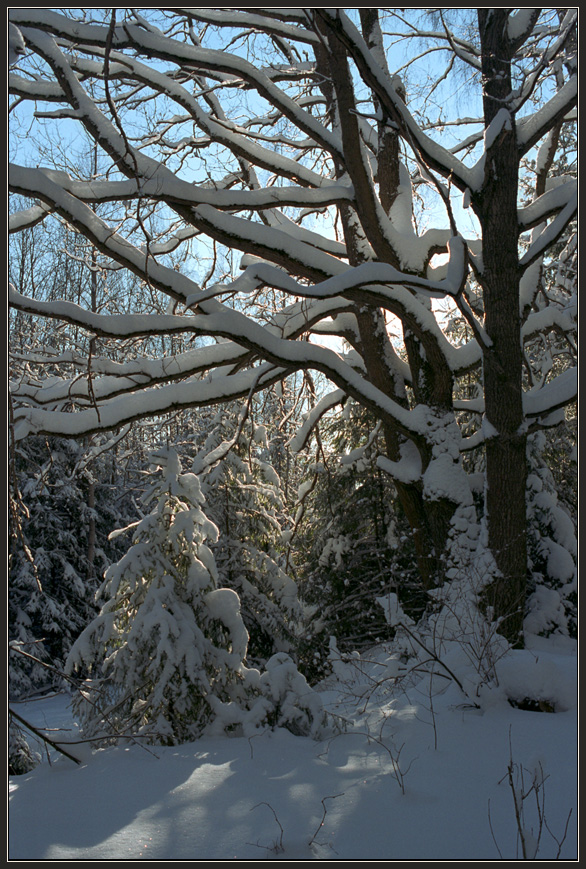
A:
[438,660]
[278,847]
[323,817]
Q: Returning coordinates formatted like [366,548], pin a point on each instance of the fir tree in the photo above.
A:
[357,544]
[553,551]
[57,546]
[167,638]
[167,651]
[245,499]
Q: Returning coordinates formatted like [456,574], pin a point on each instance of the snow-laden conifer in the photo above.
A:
[553,552]
[167,637]
[51,581]
[166,653]
[245,499]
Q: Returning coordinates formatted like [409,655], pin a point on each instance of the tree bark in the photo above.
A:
[496,207]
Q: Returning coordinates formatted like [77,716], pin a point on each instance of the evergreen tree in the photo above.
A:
[245,499]
[21,757]
[553,551]
[57,546]
[356,543]
[167,637]
[166,653]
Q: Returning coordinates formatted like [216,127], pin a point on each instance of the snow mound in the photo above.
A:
[532,681]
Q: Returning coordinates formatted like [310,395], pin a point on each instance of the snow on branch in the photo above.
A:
[266,242]
[27,218]
[551,202]
[262,19]
[331,399]
[551,233]
[531,129]
[555,395]
[407,469]
[173,190]
[142,404]
[215,125]
[35,89]
[47,185]
[206,59]
[544,405]
[364,277]
[282,355]
[520,25]
[104,325]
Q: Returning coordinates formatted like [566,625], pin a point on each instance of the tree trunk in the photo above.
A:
[506,472]
[429,519]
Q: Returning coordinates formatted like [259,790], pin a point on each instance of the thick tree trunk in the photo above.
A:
[506,472]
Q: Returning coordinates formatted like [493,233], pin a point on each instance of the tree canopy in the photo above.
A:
[381,196]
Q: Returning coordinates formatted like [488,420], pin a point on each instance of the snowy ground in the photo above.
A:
[417,774]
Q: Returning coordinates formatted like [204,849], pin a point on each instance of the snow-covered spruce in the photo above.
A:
[553,552]
[166,655]
[21,757]
[52,562]
[245,499]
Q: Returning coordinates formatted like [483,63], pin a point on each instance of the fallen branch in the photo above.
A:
[43,736]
